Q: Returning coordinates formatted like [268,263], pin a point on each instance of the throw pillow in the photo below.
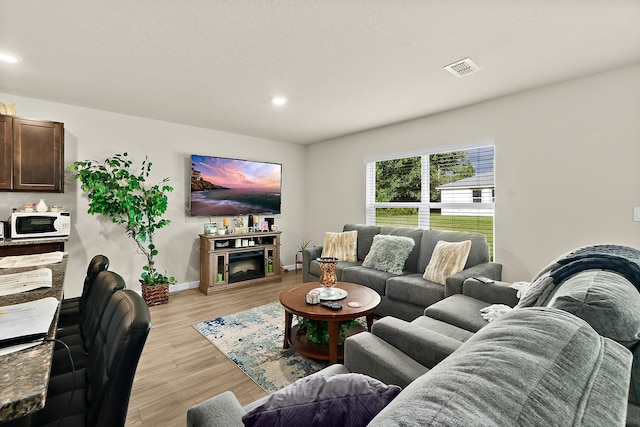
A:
[389,253]
[606,301]
[343,246]
[324,401]
[448,258]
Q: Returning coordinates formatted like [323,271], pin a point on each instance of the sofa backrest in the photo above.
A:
[365,237]
[610,303]
[516,372]
[411,264]
[425,243]
[605,300]
[478,254]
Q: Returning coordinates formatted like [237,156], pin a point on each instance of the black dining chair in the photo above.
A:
[71,308]
[79,338]
[98,394]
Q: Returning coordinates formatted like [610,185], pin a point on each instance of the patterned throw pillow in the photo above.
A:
[343,246]
[344,400]
[389,253]
[448,258]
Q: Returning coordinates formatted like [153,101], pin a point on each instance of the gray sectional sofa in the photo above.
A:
[406,296]
[598,284]
[397,351]
[511,373]
[567,353]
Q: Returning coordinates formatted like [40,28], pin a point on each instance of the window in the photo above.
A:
[452,190]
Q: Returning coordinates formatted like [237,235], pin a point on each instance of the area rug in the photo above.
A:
[252,339]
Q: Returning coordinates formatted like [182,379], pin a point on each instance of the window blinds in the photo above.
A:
[442,190]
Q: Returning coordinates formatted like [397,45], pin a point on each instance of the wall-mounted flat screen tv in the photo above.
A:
[221,186]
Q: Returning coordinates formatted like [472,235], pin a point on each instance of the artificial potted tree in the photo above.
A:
[116,191]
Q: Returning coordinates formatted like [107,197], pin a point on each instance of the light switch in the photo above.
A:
[636,214]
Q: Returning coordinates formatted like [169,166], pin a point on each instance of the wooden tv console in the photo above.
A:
[231,260]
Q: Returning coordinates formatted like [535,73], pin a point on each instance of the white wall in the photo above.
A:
[93,134]
[567,167]
[573,145]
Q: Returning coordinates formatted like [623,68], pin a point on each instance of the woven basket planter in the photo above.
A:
[155,294]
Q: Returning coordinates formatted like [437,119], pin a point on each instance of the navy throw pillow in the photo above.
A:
[343,400]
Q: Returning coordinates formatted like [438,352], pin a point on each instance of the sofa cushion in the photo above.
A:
[365,237]
[367,354]
[341,245]
[324,400]
[604,299]
[423,345]
[414,289]
[443,328]
[411,264]
[369,277]
[478,254]
[388,253]
[459,310]
[401,309]
[503,376]
[448,258]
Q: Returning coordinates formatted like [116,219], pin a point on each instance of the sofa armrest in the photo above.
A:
[493,293]
[220,411]
[453,285]
[423,345]
[365,353]
[309,255]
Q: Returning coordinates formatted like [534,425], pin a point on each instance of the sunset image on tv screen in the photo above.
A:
[222,186]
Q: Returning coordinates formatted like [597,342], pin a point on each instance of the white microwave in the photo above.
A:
[40,224]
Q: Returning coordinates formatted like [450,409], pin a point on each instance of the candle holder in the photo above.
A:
[328,278]
[211,228]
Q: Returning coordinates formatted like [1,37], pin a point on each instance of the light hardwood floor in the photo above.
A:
[179,367]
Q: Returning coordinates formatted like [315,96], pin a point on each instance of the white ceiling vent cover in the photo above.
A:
[463,68]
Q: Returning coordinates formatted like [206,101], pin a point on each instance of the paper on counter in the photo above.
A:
[25,281]
[26,320]
[17,347]
[31,260]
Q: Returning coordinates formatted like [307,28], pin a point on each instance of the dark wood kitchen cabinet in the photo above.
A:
[31,155]
[12,247]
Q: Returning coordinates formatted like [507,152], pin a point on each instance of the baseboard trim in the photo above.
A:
[183,286]
[191,285]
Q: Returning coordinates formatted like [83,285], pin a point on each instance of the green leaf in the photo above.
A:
[123,195]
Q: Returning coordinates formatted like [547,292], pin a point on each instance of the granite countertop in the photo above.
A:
[24,375]
[33,241]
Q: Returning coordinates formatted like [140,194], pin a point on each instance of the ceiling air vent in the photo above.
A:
[463,68]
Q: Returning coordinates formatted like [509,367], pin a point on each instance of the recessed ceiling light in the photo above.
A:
[279,100]
[7,57]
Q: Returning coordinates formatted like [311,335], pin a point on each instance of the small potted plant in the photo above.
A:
[304,244]
[116,191]
[317,331]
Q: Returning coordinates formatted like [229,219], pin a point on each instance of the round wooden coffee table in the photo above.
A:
[294,302]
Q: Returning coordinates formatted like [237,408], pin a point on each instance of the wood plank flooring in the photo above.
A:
[179,367]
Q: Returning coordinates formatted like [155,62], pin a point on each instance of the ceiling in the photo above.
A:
[345,65]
